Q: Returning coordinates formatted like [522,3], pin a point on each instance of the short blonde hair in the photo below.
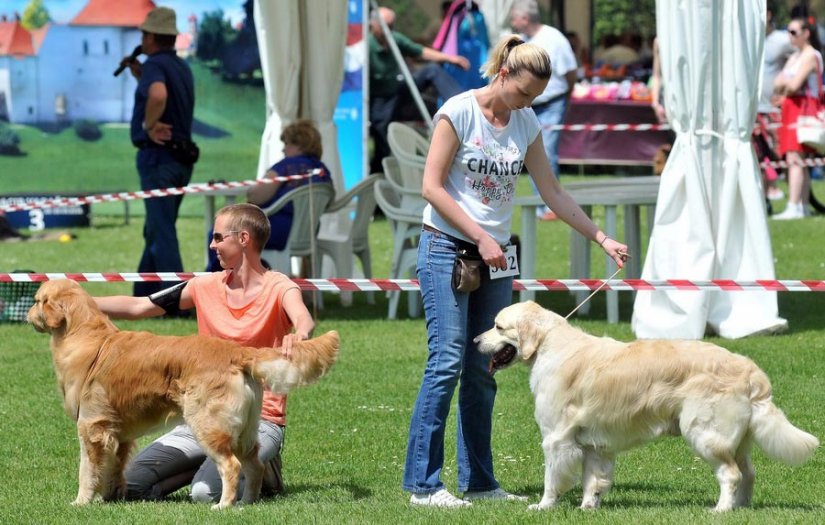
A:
[249,218]
[305,135]
[517,56]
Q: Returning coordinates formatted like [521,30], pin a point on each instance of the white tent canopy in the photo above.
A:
[710,217]
[302,59]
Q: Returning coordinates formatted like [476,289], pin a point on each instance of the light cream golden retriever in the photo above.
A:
[596,397]
[119,385]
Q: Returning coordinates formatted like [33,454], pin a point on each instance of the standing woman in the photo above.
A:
[482,140]
[798,81]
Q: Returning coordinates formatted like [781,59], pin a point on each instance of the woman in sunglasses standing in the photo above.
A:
[245,303]
[798,82]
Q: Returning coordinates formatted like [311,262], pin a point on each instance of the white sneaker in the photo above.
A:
[792,211]
[495,494]
[441,498]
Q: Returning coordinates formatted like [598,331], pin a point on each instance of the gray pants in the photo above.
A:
[175,460]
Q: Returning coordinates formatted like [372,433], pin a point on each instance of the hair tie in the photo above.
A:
[513,42]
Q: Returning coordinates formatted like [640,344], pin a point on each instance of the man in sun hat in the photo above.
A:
[161,129]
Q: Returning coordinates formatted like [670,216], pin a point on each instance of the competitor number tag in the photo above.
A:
[512,264]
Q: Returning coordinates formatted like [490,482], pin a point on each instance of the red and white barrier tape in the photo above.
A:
[817,161]
[630,127]
[608,127]
[149,194]
[374,285]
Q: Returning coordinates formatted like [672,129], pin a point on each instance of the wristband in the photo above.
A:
[601,244]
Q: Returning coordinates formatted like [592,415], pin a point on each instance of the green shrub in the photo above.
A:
[9,141]
[87,130]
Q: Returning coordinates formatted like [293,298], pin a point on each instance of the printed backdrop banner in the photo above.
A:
[350,114]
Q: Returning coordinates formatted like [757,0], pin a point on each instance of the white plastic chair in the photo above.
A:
[344,245]
[410,148]
[405,224]
[309,203]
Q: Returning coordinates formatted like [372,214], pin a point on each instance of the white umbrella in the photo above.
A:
[302,59]
[710,217]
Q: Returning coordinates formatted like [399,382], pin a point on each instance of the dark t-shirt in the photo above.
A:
[384,70]
[166,67]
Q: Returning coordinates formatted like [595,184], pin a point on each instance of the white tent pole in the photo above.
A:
[422,108]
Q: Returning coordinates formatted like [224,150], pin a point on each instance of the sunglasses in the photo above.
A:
[219,237]
[794,32]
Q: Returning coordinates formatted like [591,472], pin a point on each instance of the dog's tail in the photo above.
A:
[308,361]
[772,431]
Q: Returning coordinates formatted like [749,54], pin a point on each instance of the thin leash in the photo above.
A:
[604,283]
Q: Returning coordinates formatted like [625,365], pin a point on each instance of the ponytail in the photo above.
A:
[514,54]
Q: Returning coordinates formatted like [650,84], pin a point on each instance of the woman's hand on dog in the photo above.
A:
[288,341]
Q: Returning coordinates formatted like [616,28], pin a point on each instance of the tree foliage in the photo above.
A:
[35,15]
[614,17]
[213,34]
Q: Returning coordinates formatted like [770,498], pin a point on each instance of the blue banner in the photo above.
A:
[350,113]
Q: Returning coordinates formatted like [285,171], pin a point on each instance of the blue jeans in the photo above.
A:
[453,320]
[161,252]
[551,115]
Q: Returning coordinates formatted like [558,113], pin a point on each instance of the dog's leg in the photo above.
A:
[96,457]
[229,467]
[744,494]
[253,471]
[116,489]
[597,477]
[218,445]
[729,477]
[562,463]
[86,482]
[710,446]
[715,429]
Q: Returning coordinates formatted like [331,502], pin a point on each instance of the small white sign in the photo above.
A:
[512,264]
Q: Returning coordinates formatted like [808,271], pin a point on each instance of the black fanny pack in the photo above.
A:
[467,271]
[183,151]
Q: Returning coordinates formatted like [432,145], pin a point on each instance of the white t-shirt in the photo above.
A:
[486,167]
[562,60]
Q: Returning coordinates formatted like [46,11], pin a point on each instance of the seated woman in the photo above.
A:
[302,153]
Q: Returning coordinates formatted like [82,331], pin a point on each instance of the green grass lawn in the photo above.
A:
[346,438]
[347,434]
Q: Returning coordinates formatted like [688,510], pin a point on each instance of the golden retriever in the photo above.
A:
[119,385]
[596,397]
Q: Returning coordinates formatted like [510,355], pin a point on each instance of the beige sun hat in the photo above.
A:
[160,21]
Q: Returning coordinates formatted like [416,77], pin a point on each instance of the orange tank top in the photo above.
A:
[260,323]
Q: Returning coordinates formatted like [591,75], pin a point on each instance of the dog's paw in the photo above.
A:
[542,505]
[238,505]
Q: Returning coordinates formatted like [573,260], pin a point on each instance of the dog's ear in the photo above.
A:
[53,312]
[530,336]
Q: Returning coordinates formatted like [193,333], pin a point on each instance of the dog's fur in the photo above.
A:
[596,397]
[119,385]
